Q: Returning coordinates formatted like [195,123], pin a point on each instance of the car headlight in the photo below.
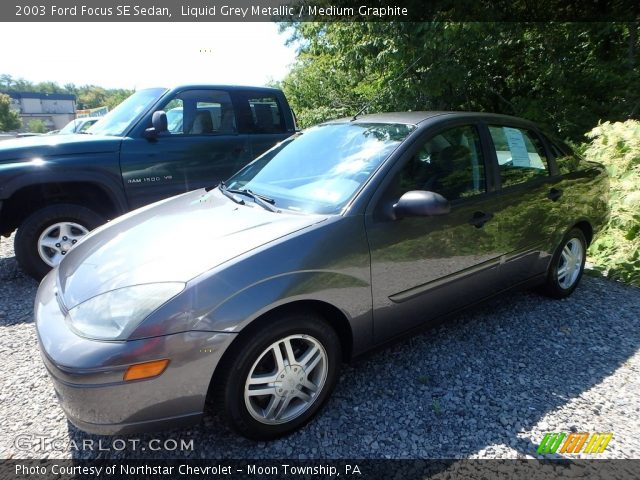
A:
[115,314]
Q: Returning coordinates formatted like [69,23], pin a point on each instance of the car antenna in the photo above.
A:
[368,104]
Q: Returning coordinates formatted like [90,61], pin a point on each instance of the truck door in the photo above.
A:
[203,146]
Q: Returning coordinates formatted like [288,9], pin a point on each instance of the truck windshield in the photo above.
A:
[118,120]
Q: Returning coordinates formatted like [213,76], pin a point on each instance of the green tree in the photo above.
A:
[87,96]
[567,76]
[9,119]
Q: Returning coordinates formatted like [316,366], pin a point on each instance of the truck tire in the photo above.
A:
[46,235]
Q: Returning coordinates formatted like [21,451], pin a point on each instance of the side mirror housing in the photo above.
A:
[420,203]
[160,125]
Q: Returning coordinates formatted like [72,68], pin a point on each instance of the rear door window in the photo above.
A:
[521,156]
[262,113]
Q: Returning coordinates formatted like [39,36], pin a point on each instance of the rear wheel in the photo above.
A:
[280,376]
[567,265]
[45,237]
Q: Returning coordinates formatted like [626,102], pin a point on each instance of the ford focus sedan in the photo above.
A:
[251,294]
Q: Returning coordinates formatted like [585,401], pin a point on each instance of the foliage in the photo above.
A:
[565,76]
[9,119]
[36,126]
[617,250]
[87,96]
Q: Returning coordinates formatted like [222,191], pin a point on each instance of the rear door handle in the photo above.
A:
[554,194]
[480,218]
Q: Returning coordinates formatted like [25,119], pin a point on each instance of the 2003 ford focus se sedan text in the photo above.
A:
[253,293]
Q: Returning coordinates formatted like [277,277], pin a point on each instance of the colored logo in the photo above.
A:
[574,443]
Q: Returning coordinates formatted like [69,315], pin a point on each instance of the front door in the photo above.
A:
[423,267]
[203,146]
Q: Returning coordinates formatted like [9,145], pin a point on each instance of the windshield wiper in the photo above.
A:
[262,200]
[229,194]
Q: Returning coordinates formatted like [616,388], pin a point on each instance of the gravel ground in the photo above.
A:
[487,384]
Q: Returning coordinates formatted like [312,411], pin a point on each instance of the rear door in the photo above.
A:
[528,213]
[263,115]
[203,147]
[426,266]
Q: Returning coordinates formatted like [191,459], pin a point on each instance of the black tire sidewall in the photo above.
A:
[553,287]
[29,231]
[247,353]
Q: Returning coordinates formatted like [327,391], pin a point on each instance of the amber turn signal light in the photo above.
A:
[146,370]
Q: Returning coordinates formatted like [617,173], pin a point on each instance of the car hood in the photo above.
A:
[173,240]
[43,146]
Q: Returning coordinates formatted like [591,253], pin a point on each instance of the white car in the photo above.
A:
[79,125]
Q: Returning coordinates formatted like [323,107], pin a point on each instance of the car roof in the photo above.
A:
[416,118]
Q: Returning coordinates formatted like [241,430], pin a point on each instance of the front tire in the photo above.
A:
[567,265]
[280,376]
[46,236]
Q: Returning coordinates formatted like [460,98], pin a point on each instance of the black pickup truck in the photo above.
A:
[158,143]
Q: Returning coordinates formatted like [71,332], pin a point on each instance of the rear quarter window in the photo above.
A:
[566,160]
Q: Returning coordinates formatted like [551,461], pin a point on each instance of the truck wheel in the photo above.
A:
[45,236]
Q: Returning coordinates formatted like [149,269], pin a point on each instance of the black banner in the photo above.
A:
[318,10]
[311,469]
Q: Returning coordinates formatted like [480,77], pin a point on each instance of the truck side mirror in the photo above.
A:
[160,125]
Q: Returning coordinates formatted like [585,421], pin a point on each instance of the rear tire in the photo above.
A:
[567,265]
[43,227]
[295,385]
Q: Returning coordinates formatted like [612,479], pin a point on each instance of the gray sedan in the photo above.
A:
[251,294]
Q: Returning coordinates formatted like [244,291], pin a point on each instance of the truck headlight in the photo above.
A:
[115,314]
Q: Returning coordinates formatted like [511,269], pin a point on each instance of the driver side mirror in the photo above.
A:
[420,203]
[160,125]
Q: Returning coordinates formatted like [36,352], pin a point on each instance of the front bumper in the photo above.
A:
[88,375]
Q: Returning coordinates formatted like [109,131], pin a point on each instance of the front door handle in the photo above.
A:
[554,194]
[480,218]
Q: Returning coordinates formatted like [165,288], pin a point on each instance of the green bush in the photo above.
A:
[616,251]
[37,126]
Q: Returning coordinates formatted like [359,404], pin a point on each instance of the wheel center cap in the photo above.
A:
[289,379]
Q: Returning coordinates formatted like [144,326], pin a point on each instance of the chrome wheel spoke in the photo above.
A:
[562,271]
[50,242]
[303,396]
[277,353]
[65,230]
[291,358]
[262,379]
[269,390]
[309,385]
[276,407]
[312,360]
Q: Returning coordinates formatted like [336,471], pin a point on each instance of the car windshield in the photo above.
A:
[118,120]
[78,125]
[321,169]
[70,127]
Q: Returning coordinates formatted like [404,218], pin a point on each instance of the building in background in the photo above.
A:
[55,110]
